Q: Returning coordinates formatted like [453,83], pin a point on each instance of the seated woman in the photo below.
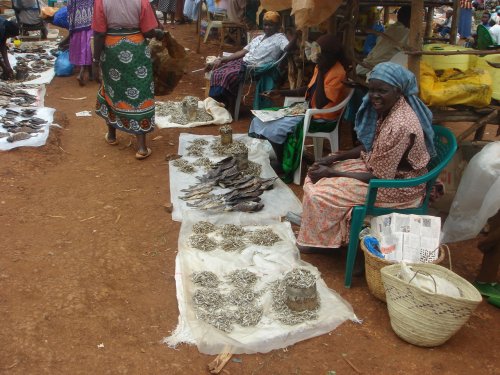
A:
[395,129]
[261,51]
[28,16]
[325,90]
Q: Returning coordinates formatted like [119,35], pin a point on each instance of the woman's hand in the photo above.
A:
[159,34]
[317,172]
[271,94]
[327,160]
[96,70]
[8,74]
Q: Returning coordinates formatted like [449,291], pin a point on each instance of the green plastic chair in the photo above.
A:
[446,145]
[484,39]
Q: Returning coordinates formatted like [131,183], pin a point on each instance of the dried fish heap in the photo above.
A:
[204,227]
[15,97]
[300,279]
[263,237]
[202,242]
[184,166]
[20,125]
[244,194]
[205,279]
[175,111]
[242,278]
[301,290]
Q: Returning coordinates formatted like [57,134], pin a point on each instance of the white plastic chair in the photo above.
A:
[239,95]
[333,136]
[215,22]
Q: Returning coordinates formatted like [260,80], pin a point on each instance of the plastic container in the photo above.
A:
[437,62]
[482,62]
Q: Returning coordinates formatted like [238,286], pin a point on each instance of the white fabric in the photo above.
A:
[495,33]
[220,116]
[277,202]
[385,48]
[45,76]
[263,50]
[37,139]
[270,263]
[477,198]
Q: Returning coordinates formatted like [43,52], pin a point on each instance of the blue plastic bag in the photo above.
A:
[61,18]
[62,65]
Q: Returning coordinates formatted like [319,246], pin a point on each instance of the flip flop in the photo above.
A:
[139,156]
[112,143]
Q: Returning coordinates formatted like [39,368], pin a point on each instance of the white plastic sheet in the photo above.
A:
[220,116]
[270,264]
[37,139]
[46,76]
[277,202]
[477,198]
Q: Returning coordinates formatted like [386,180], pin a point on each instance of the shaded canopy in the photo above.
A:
[306,12]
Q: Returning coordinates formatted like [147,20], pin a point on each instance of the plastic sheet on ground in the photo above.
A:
[477,198]
[277,201]
[45,76]
[270,264]
[37,139]
[220,116]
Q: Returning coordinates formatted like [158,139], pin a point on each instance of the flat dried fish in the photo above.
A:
[18,137]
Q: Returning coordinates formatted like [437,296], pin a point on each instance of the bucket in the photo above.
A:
[482,62]
[437,62]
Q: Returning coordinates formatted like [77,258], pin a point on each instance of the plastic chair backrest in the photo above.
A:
[484,38]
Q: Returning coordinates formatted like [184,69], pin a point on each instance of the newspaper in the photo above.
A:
[409,238]
[295,109]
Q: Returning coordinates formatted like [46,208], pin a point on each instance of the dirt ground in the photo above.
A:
[87,266]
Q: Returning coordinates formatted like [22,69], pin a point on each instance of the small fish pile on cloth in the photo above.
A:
[229,298]
[276,202]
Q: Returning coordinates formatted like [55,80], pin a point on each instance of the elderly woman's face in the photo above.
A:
[270,28]
[382,95]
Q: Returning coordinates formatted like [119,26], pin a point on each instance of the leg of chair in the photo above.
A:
[334,139]
[318,148]
[358,214]
[238,101]
[207,32]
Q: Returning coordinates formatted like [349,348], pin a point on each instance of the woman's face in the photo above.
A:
[382,95]
[270,28]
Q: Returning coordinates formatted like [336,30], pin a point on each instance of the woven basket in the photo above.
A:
[422,318]
[374,264]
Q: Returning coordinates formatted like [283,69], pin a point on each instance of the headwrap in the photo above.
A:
[397,76]
[272,16]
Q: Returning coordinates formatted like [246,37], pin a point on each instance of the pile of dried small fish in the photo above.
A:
[174,111]
[244,194]
[232,244]
[20,125]
[283,313]
[183,165]
[205,279]
[231,230]
[300,278]
[208,299]
[236,147]
[242,296]
[202,242]
[204,227]
[263,237]
[242,278]
[15,97]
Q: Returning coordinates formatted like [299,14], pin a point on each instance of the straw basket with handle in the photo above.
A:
[424,318]
[374,264]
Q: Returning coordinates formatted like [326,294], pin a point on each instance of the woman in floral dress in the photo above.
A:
[395,129]
[126,96]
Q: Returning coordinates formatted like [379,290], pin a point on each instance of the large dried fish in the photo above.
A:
[18,137]
[247,207]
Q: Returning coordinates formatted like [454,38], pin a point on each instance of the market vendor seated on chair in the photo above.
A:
[261,52]
[325,90]
[395,130]
[28,16]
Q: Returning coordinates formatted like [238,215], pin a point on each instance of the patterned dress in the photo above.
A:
[79,22]
[398,152]
[167,6]
[126,97]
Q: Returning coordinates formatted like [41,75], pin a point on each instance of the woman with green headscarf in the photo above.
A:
[395,129]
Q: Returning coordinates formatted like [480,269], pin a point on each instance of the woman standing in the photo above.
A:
[168,7]
[80,22]
[126,96]
[395,129]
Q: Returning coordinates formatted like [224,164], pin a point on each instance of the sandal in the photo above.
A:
[140,156]
[109,141]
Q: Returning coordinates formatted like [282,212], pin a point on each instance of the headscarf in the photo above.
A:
[397,76]
[272,16]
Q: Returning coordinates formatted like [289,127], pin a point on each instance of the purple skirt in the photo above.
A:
[79,47]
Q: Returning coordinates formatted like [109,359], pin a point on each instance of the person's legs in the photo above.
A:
[111,135]
[142,150]
[164,18]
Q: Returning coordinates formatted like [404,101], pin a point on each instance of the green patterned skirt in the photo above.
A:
[126,96]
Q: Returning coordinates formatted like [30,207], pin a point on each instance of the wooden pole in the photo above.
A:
[429,18]
[416,36]
[198,27]
[386,16]
[454,22]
